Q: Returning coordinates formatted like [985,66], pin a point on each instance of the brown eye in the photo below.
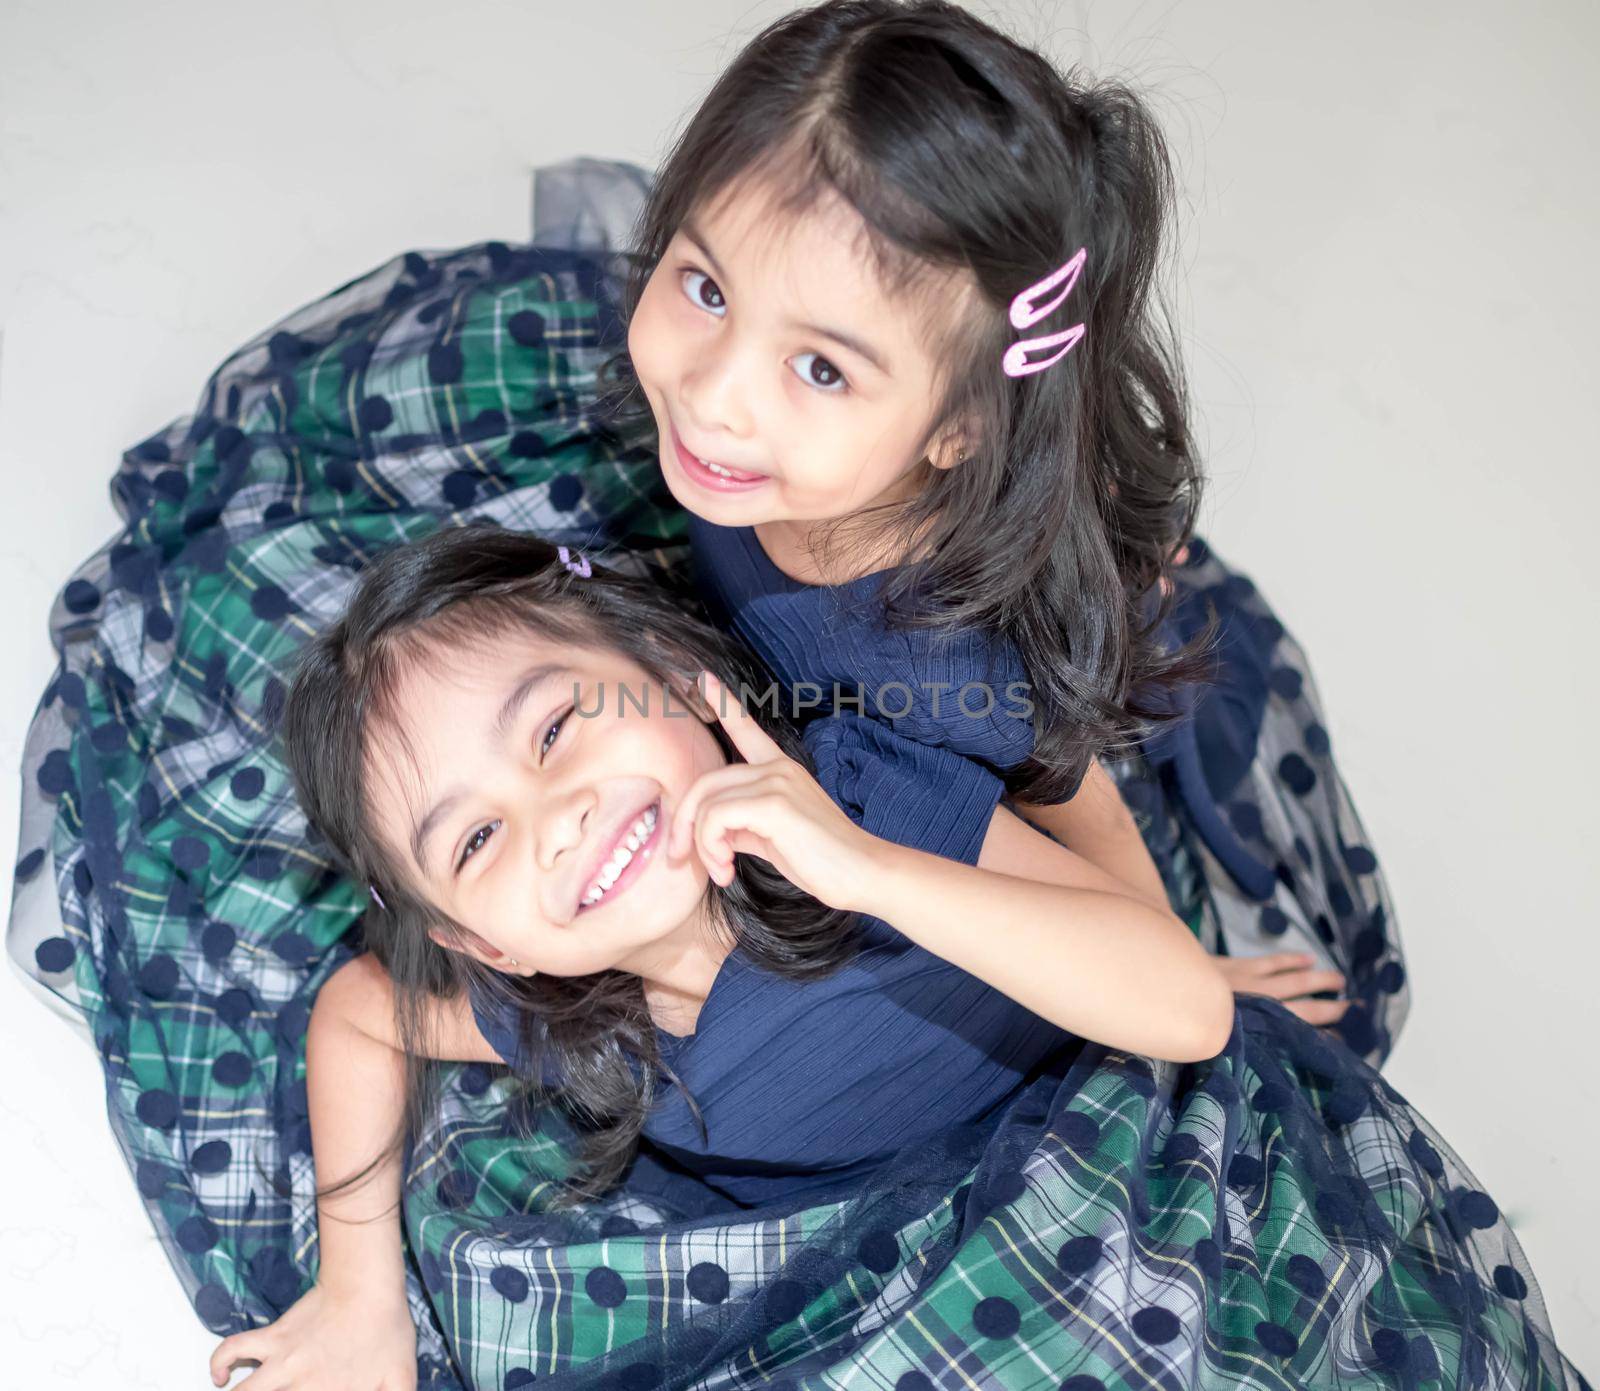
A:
[707,295]
[476,842]
[822,374]
[553,733]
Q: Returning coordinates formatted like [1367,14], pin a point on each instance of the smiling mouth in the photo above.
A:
[713,475]
[627,861]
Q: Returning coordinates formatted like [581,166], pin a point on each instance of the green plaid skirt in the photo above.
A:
[1276,1217]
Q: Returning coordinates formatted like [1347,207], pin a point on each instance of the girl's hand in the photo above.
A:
[771,807]
[330,1339]
[1286,976]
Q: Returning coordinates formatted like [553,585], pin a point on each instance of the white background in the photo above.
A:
[1385,281]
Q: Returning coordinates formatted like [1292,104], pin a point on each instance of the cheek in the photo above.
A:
[649,334]
[888,457]
[841,460]
[683,750]
[657,747]
[704,754]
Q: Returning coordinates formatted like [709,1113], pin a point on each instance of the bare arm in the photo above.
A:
[352,1330]
[355,1075]
[1060,936]
[1098,825]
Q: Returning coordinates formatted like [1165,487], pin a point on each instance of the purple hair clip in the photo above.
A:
[579,566]
[1025,313]
[377,898]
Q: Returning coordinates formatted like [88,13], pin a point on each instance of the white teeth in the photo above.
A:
[717,468]
[621,856]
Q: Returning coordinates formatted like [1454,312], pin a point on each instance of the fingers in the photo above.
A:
[1296,983]
[1290,985]
[707,785]
[753,742]
[1281,976]
[737,843]
[237,1347]
[1258,968]
[1319,1012]
[726,826]
[1275,963]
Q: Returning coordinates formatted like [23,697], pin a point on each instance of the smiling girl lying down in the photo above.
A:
[997,1119]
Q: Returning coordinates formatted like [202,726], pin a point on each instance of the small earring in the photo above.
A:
[513,961]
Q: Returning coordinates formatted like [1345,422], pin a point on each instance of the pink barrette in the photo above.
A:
[1025,313]
[580,566]
[377,898]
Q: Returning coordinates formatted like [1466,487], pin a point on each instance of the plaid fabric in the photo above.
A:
[1275,1217]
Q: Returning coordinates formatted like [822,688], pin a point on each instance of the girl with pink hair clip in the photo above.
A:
[891,318]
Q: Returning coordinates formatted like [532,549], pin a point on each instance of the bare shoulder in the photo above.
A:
[361,993]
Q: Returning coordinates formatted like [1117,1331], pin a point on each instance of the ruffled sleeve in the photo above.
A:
[919,795]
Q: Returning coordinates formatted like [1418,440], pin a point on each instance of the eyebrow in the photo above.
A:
[856,345]
[531,680]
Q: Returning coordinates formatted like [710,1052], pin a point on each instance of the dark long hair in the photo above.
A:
[965,152]
[467,584]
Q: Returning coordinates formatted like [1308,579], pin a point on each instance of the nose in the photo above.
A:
[563,827]
[713,393]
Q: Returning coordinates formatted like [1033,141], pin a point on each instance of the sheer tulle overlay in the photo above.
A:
[1277,1216]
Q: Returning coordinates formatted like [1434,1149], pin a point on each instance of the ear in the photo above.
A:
[952,448]
[470,944]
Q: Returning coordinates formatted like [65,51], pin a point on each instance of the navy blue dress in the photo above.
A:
[829,635]
[1275,1216]
[1238,798]
[807,1086]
